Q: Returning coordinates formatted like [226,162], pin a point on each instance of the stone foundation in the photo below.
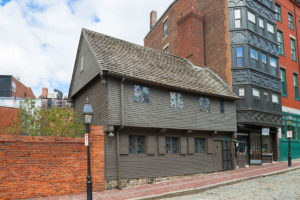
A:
[113,184]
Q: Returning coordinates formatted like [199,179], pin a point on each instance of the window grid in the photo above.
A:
[200,145]
[278,12]
[295,79]
[283,82]
[136,144]
[171,145]
[291,21]
[239,57]
[280,42]
[237,18]
[293,49]
[141,94]
[204,104]
[251,21]
[176,100]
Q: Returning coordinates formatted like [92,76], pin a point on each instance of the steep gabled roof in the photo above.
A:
[137,62]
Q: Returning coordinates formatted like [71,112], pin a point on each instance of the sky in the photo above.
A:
[39,38]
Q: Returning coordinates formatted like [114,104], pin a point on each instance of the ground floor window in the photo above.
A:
[292,124]
[172,145]
[136,144]
[242,144]
[266,144]
[200,145]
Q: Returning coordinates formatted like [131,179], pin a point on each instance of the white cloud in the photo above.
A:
[39,39]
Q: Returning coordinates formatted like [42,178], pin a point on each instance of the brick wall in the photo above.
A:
[6,117]
[45,166]
[22,90]
[217,55]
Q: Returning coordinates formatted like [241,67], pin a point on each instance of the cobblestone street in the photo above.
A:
[284,186]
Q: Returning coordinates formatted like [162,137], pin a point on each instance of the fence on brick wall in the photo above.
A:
[283,148]
[45,166]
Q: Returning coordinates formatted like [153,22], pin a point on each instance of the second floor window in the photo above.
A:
[283,82]
[141,94]
[253,58]
[291,21]
[237,18]
[204,104]
[241,92]
[222,106]
[278,12]
[176,100]
[275,98]
[261,26]
[256,93]
[251,21]
[296,88]
[165,26]
[293,49]
[280,42]
[239,57]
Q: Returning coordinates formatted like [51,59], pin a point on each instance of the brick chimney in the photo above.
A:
[44,93]
[190,36]
[153,18]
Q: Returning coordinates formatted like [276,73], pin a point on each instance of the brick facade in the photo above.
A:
[21,90]
[44,166]
[215,38]
[6,117]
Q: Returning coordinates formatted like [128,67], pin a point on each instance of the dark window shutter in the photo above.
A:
[191,145]
[209,146]
[161,144]
[124,143]
[183,145]
[150,145]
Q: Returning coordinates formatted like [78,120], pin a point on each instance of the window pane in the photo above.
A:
[196,145]
[266,97]
[264,58]
[173,99]
[146,95]
[293,49]
[168,145]
[202,145]
[174,145]
[140,144]
[222,106]
[207,105]
[261,23]
[280,43]
[241,92]
[273,66]
[237,14]
[239,54]
[179,100]
[202,103]
[278,12]
[291,21]
[253,54]
[251,17]
[295,77]
[165,28]
[270,28]
[137,93]
[237,23]
[275,98]
[132,144]
[256,92]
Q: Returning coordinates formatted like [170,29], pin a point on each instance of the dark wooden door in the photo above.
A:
[227,155]
[218,155]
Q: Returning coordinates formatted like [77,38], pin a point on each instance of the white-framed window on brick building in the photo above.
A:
[291,21]
[237,18]
[136,144]
[280,42]
[293,49]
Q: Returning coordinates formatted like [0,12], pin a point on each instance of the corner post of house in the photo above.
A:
[97,158]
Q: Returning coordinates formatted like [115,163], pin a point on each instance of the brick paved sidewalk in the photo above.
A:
[187,185]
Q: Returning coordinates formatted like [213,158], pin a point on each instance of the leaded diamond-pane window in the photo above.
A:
[204,104]
[136,144]
[146,95]
[179,100]
[173,99]
[141,94]
[137,94]
[171,145]
[200,145]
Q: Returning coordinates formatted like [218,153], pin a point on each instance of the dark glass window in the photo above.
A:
[295,78]
[280,42]
[283,81]
[254,58]
[141,94]
[278,12]
[222,108]
[171,145]
[291,21]
[200,145]
[165,24]
[239,57]
[204,104]
[242,144]
[264,64]
[136,144]
[293,49]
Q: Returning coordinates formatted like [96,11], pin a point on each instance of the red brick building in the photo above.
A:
[287,19]
[13,87]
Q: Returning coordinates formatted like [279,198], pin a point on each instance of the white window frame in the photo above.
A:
[241,92]
[275,98]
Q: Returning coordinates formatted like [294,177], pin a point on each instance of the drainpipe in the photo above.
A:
[296,22]
[122,126]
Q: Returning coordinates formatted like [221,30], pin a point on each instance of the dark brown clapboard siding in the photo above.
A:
[158,112]
[155,165]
